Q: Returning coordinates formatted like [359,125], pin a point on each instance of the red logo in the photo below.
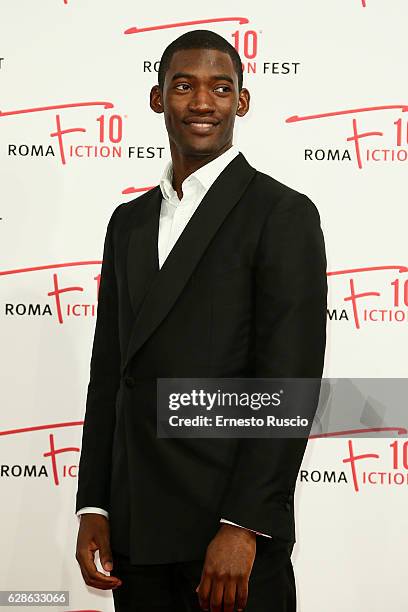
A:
[363,474]
[65,307]
[389,144]
[58,470]
[376,294]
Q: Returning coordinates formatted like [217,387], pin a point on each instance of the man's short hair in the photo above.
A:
[199,39]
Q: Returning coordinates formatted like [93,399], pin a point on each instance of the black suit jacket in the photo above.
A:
[241,294]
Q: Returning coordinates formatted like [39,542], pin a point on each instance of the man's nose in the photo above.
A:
[201,100]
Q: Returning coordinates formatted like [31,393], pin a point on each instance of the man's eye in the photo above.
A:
[185,86]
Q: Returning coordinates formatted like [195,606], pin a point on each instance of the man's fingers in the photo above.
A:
[217,592]
[91,574]
[94,574]
[93,535]
[241,594]
[229,595]
[203,591]
[105,555]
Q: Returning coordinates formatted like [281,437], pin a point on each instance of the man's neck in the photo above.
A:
[184,165]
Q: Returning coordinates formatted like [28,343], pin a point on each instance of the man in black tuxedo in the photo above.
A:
[219,271]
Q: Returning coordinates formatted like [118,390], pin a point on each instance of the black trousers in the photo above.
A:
[170,587]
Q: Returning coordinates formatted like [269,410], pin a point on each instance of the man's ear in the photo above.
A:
[156,103]
[243,102]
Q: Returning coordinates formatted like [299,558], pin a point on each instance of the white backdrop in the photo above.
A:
[339,69]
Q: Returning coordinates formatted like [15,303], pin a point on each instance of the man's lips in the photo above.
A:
[201,127]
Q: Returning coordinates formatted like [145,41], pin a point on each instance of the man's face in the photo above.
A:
[200,100]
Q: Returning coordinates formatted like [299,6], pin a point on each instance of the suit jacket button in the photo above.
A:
[130,381]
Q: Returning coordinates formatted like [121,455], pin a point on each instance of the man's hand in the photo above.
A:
[94,535]
[227,567]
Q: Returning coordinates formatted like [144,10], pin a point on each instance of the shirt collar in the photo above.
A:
[204,176]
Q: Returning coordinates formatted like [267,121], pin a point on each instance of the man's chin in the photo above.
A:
[201,149]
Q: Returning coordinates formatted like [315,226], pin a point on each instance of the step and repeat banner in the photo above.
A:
[329,102]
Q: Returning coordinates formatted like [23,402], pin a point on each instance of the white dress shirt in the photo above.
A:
[174,216]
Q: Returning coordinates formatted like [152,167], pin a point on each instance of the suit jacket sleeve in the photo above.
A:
[97,436]
[290,338]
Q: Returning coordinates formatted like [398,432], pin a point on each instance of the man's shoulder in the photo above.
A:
[124,212]
[138,201]
[265,184]
[275,195]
